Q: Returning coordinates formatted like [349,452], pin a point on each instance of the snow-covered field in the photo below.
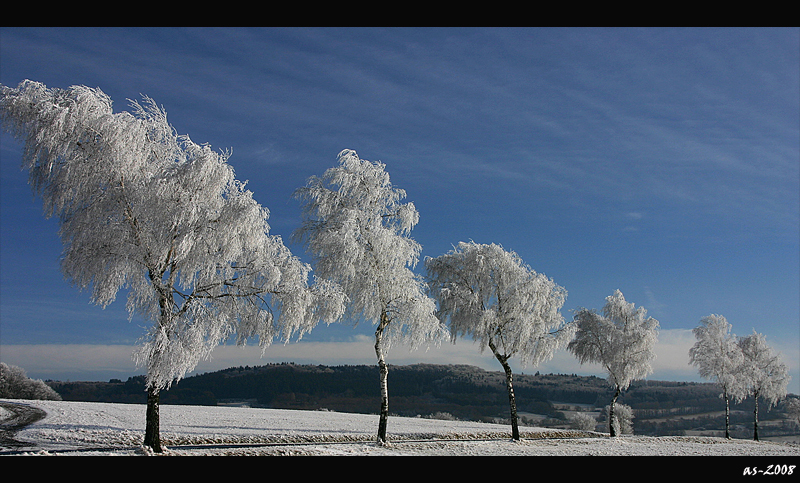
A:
[117,429]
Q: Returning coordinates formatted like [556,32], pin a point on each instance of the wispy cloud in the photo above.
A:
[655,307]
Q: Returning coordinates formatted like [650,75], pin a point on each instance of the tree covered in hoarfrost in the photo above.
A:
[792,408]
[762,373]
[583,422]
[145,210]
[621,340]
[717,356]
[357,230]
[491,295]
[15,384]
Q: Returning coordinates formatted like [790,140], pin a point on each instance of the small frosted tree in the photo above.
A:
[792,408]
[357,230]
[621,340]
[491,295]
[145,210]
[763,375]
[15,384]
[717,356]
[583,422]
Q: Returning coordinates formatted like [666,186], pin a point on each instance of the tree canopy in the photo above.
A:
[357,229]
[715,353]
[492,296]
[622,339]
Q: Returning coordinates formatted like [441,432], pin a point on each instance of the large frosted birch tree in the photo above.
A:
[357,229]
[491,295]
[718,356]
[144,210]
[621,340]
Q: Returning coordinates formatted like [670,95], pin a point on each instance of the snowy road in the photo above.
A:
[14,417]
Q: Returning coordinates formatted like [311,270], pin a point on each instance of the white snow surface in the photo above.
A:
[86,428]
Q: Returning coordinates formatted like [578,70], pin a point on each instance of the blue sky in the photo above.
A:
[661,162]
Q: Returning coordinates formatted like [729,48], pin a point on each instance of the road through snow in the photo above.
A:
[14,417]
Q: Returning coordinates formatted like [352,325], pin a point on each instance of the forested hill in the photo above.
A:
[465,392]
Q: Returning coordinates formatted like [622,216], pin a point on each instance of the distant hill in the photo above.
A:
[355,388]
[428,390]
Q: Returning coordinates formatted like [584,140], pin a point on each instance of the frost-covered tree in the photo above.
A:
[621,340]
[357,230]
[792,408]
[583,422]
[491,295]
[15,384]
[763,374]
[717,356]
[144,210]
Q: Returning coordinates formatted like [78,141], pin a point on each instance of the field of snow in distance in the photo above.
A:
[83,428]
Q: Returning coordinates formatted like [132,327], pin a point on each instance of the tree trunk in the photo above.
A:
[755,419]
[727,416]
[384,375]
[152,436]
[611,429]
[152,433]
[512,402]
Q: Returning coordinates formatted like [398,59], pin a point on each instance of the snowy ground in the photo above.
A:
[82,428]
